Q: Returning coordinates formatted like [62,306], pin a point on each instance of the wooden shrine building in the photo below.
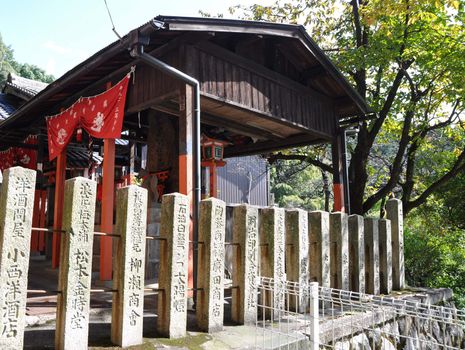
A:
[262,87]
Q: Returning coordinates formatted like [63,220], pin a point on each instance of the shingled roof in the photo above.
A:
[6,106]
[23,87]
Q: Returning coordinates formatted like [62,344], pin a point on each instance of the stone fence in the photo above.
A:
[333,249]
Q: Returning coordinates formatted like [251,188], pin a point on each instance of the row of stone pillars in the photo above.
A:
[287,245]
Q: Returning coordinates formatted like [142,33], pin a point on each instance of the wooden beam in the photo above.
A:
[267,116]
[241,129]
[270,146]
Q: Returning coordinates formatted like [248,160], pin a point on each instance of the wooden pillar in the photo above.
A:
[186,165]
[339,168]
[108,188]
[213,182]
[60,176]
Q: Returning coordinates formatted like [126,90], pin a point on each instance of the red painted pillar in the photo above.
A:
[213,182]
[186,165]
[108,190]
[338,172]
[60,176]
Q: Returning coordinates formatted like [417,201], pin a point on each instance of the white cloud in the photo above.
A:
[50,68]
[53,46]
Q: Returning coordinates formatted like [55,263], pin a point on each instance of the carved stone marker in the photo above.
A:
[339,241]
[210,299]
[385,256]
[16,206]
[319,247]
[371,256]
[297,257]
[356,254]
[128,277]
[172,301]
[245,235]
[395,214]
[75,264]
[272,262]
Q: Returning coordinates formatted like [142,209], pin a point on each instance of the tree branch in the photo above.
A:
[302,158]
[459,165]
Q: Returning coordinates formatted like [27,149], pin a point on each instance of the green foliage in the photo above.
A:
[435,252]
[8,64]
[302,188]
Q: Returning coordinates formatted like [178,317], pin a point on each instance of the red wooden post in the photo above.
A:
[108,193]
[213,180]
[186,165]
[35,222]
[42,217]
[108,190]
[338,172]
[58,207]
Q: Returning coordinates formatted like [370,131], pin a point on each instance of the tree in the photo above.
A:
[406,59]
[8,64]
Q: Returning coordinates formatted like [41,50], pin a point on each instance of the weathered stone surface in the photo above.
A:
[394,213]
[319,247]
[210,274]
[16,206]
[385,256]
[75,264]
[371,256]
[339,242]
[297,257]
[172,301]
[272,262]
[245,235]
[356,254]
[128,277]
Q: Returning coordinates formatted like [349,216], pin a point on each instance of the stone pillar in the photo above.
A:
[272,262]
[245,236]
[16,206]
[395,214]
[72,325]
[356,254]
[297,257]
[371,256]
[385,256]
[172,301]
[128,278]
[319,247]
[339,251]
[210,299]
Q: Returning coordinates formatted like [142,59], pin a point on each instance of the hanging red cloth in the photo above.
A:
[27,157]
[101,116]
[7,159]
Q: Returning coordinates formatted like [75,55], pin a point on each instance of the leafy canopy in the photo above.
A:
[8,64]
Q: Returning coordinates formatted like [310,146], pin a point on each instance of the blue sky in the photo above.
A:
[56,35]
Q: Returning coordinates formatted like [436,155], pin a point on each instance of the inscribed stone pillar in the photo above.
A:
[371,256]
[128,278]
[385,256]
[75,273]
[356,254]
[272,262]
[245,236]
[174,230]
[319,247]
[210,299]
[16,206]
[339,251]
[395,214]
[297,257]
